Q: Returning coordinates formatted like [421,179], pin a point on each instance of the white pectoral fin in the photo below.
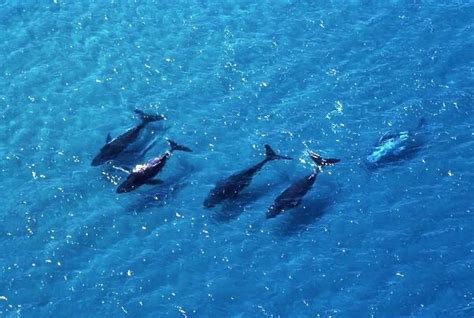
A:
[149,146]
[123,169]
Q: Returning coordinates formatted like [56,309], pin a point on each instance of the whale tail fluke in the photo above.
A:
[175,146]
[270,154]
[322,162]
[147,118]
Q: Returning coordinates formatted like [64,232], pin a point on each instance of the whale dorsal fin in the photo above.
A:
[108,138]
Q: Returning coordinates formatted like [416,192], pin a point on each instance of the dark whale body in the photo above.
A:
[292,196]
[144,174]
[230,187]
[113,147]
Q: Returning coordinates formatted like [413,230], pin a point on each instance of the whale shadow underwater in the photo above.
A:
[158,196]
[298,220]
[232,209]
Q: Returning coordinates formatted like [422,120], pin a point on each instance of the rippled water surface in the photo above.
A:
[231,76]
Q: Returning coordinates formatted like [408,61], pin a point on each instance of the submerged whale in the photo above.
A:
[144,174]
[393,147]
[233,185]
[292,196]
[113,147]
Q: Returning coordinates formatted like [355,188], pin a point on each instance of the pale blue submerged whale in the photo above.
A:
[230,187]
[113,147]
[144,173]
[393,147]
[292,196]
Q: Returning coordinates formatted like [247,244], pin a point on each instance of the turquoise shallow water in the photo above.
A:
[231,76]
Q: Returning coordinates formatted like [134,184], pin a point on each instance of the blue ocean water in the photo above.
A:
[231,76]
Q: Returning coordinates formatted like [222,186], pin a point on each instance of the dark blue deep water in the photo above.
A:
[231,76]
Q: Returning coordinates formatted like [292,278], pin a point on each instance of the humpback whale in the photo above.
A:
[233,185]
[293,195]
[113,147]
[393,147]
[144,174]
